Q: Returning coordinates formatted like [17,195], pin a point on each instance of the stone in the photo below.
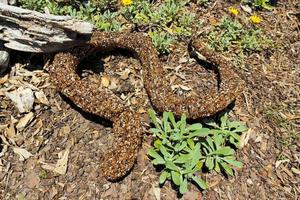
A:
[4,60]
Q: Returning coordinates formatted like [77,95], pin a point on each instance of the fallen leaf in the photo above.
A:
[65,130]
[246,8]
[23,153]
[183,60]
[295,170]
[113,83]
[3,79]
[62,164]
[279,162]
[10,131]
[41,97]
[53,192]
[3,150]
[123,96]
[186,88]
[213,21]
[141,110]
[245,137]
[105,81]
[156,192]
[47,166]
[22,98]
[24,121]
[124,74]
[182,87]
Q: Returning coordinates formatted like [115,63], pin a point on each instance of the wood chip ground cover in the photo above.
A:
[53,150]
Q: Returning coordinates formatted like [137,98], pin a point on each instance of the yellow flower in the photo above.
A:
[126,2]
[233,11]
[255,19]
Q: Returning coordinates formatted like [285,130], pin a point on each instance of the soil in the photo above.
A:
[66,144]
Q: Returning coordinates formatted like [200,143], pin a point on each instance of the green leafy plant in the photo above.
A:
[176,150]
[203,3]
[231,33]
[260,4]
[230,130]
[182,150]
[104,5]
[38,5]
[165,21]
[162,41]
[107,21]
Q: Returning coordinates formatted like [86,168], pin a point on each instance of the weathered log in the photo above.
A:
[31,31]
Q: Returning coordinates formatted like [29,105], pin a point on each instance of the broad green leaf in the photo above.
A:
[209,163]
[234,124]
[224,120]
[194,127]
[172,119]
[212,124]
[153,117]
[166,121]
[176,177]
[154,154]
[233,162]
[224,151]
[157,143]
[234,142]
[183,186]
[164,152]
[163,177]
[240,129]
[182,123]
[200,133]
[217,167]
[219,140]
[158,161]
[210,143]
[196,155]
[155,130]
[237,126]
[181,146]
[235,136]
[191,143]
[201,183]
[184,158]
[170,165]
[227,169]
[197,167]
[176,136]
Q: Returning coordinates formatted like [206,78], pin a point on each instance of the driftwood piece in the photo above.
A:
[31,31]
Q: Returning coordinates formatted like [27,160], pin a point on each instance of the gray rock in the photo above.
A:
[23,99]
[4,60]
[3,1]
[9,2]
[12,2]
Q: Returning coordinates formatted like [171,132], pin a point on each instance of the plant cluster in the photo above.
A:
[183,150]
[165,21]
[92,11]
[260,4]
[231,33]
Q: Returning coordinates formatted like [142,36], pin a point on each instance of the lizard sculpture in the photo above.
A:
[127,126]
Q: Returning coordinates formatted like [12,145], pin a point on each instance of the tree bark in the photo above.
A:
[31,31]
